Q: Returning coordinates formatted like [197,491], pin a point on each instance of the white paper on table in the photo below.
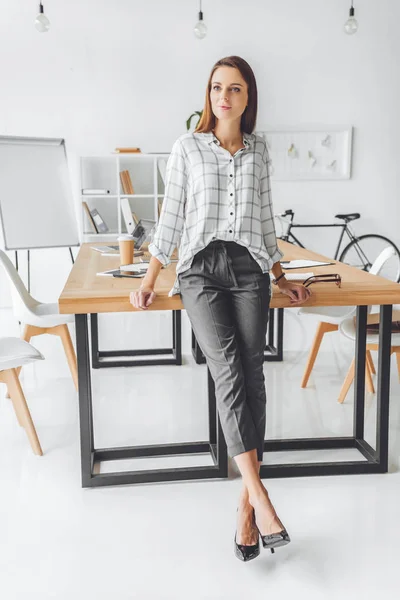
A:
[298,276]
[301,264]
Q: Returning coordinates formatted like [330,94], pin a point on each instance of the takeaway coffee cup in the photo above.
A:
[126,246]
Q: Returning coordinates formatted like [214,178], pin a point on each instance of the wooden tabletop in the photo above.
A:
[86,292]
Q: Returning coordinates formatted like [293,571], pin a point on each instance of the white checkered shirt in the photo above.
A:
[210,194]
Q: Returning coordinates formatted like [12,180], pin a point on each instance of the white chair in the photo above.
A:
[39,317]
[348,329]
[14,353]
[333,316]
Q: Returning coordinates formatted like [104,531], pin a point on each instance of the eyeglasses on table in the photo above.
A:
[324,277]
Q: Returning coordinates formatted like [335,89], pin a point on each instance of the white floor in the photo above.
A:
[175,540]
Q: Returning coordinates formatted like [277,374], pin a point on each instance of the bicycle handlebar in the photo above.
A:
[287,213]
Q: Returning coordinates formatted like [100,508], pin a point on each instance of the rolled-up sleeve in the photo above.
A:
[170,223]
[267,213]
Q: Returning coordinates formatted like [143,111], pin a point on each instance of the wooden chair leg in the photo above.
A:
[398,363]
[368,378]
[371,362]
[70,353]
[347,382]
[10,377]
[321,330]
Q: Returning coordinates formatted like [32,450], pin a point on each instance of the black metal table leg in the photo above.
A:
[85,399]
[92,457]
[273,350]
[376,460]
[100,358]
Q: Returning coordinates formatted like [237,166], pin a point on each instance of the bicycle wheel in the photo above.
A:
[363,251]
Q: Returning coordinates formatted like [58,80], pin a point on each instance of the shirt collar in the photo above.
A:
[211,138]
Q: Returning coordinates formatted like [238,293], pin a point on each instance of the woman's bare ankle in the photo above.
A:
[258,497]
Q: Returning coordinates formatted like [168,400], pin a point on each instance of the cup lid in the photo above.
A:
[124,236]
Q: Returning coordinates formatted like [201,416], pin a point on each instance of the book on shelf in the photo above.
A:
[128,150]
[89,216]
[126,182]
[94,191]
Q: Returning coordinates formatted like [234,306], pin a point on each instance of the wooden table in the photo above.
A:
[87,294]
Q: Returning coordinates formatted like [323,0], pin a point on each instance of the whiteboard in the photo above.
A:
[36,205]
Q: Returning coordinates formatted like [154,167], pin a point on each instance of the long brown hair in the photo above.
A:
[249,117]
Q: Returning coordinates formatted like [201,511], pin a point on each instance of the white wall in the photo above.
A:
[130,72]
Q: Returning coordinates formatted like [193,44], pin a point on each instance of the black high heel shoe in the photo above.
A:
[274,540]
[246,553]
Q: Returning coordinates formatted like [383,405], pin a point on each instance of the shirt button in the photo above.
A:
[230,231]
[231,194]
[230,160]
[230,175]
[231,213]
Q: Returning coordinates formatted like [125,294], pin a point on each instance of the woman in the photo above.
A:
[217,208]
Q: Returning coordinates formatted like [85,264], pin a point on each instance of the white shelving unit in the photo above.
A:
[103,172]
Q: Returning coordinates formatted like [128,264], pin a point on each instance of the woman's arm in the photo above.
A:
[266,214]
[298,294]
[170,223]
[145,295]
[169,227]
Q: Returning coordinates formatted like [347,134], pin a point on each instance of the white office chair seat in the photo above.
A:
[15,352]
[44,315]
[39,317]
[330,314]
[331,318]
[347,327]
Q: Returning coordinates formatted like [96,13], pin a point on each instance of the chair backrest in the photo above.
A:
[20,296]
[382,259]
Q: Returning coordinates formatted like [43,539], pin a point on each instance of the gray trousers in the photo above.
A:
[226,296]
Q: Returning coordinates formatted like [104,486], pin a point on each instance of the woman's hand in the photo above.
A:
[297,293]
[143,297]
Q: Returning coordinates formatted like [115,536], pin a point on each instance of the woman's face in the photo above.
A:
[228,89]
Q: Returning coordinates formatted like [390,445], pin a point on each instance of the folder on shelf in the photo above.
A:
[162,167]
[95,191]
[100,225]
[130,217]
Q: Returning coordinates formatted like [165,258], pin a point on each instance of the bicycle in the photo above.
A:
[360,252]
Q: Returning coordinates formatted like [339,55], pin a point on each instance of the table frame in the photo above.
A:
[174,353]
[91,456]
[376,460]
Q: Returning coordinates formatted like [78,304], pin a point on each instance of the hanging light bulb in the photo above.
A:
[200,29]
[351,24]
[42,23]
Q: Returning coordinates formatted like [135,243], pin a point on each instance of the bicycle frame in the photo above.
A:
[344,226]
